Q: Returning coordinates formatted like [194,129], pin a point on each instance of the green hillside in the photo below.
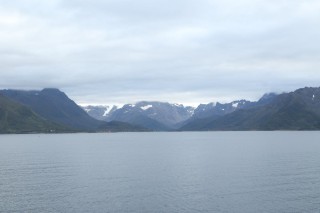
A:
[16,118]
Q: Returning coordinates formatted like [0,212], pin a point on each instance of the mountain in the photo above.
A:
[50,110]
[55,106]
[159,116]
[123,114]
[218,109]
[17,118]
[100,112]
[266,99]
[206,113]
[298,110]
[135,118]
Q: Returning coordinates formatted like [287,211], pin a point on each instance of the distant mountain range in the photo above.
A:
[206,114]
[50,110]
[157,116]
[162,116]
[298,110]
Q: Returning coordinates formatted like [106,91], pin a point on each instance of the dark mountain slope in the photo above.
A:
[136,118]
[298,110]
[54,105]
[206,113]
[16,118]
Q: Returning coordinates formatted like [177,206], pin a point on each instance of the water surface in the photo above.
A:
[161,172]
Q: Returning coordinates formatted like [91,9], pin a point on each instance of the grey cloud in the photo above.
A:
[104,50]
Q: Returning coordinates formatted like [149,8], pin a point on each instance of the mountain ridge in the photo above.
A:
[17,118]
[155,115]
[51,110]
[57,107]
[298,110]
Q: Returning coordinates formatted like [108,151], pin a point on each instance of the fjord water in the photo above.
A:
[161,172]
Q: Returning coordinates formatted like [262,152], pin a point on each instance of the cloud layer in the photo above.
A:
[103,51]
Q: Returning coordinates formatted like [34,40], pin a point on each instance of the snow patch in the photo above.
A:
[235,105]
[107,111]
[146,107]
[178,105]
[313,97]
[118,106]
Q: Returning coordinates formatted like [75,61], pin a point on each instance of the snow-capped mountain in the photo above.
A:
[152,115]
[298,110]
[219,109]
[205,113]
[101,112]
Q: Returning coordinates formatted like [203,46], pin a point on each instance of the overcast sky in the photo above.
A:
[185,51]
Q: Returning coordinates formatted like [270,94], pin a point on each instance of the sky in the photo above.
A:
[181,51]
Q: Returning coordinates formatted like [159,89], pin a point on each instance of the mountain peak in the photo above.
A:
[308,89]
[51,90]
[267,96]
[161,115]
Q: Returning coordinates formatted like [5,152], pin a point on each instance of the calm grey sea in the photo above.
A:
[161,172]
